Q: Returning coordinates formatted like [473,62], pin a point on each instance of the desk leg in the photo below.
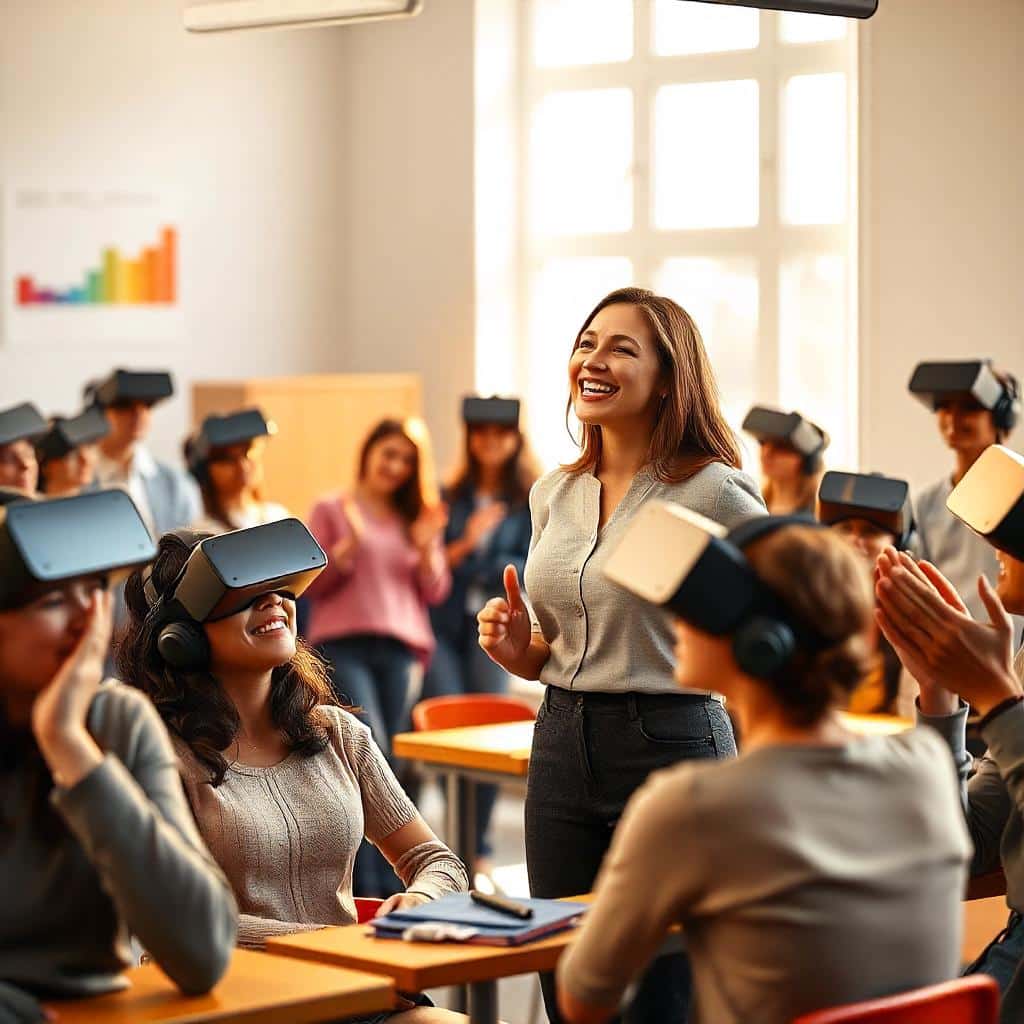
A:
[460,831]
[483,1002]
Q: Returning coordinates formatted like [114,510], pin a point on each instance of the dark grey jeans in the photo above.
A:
[590,753]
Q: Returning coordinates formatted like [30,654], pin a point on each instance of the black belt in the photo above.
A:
[559,697]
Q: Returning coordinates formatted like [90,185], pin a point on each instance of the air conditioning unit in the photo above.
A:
[231,15]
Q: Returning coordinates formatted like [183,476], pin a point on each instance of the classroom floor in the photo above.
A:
[516,996]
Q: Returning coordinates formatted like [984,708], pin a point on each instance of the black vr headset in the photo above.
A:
[936,383]
[124,386]
[990,499]
[788,428]
[68,433]
[223,576]
[21,423]
[503,412]
[879,499]
[47,542]
[222,431]
[679,560]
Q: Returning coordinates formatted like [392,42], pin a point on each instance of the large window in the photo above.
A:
[706,152]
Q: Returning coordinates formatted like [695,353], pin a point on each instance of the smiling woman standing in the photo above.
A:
[642,387]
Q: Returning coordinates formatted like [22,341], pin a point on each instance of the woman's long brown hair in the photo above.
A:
[419,490]
[690,431]
[518,475]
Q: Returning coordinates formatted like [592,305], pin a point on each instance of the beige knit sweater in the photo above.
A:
[286,836]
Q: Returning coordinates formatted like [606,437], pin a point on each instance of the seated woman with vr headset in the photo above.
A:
[283,782]
[815,869]
[963,664]
[872,512]
[96,839]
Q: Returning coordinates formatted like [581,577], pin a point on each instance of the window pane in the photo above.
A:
[573,32]
[814,146]
[722,298]
[563,292]
[815,372]
[581,163]
[706,161]
[681,28]
[810,28]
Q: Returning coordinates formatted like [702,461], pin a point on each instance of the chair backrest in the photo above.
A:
[470,709]
[970,1000]
[366,909]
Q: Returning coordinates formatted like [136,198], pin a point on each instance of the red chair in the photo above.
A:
[970,1000]
[366,909]
[470,709]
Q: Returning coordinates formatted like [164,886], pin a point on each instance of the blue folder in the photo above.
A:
[491,927]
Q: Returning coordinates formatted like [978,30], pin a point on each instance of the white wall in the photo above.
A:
[409,300]
[942,235]
[251,127]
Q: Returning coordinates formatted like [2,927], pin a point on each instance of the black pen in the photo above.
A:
[503,906]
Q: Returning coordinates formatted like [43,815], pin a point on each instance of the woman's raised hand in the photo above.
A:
[504,624]
[429,525]
[59,712]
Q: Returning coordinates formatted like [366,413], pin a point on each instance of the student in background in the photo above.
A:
[641,385]
[96,839]
[772,863]
[965,664]
[975,406]
[488,528]
[369,607]
[165,495]
[67,453]
[872,512]
[226,458]
[283,783]
[20,427]
[792,449]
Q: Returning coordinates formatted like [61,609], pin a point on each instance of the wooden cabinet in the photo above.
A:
[321,420]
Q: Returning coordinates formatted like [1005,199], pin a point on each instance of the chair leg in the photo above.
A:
[536,1004]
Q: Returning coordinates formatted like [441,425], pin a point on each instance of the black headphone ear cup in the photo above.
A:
[762,647]
[183,645]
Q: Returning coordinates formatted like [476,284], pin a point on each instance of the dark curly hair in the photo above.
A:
[193,704]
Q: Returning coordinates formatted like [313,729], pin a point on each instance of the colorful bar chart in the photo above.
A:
[150,279]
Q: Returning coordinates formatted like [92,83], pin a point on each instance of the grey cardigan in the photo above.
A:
[993,801]
[602,638]
[120,856]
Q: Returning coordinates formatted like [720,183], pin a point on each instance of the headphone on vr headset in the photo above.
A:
[767,642]
[180,642]
[1006,411]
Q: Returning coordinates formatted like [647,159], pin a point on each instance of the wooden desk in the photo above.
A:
[415,966]
[503,749]
[257,989]
[984,919]
[875,725]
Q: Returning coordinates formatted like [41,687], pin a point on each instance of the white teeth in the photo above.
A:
[591,387]
[271,627]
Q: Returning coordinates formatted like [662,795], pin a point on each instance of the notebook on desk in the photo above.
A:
[490,927]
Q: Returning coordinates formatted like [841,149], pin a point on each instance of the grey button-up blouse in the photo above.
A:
[602,638]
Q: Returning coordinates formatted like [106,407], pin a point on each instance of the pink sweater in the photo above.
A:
[384,592]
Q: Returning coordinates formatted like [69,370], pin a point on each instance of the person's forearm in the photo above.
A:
[70,754]
[937,702]
[458,551]
[529,665]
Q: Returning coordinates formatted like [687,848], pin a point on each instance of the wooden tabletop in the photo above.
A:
[257,989]
[415,966]
[503,748]
[875,725]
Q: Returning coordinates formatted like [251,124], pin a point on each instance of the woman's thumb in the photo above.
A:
[512,591]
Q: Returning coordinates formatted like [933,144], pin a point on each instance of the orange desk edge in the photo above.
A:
[503,748]
[256,989]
